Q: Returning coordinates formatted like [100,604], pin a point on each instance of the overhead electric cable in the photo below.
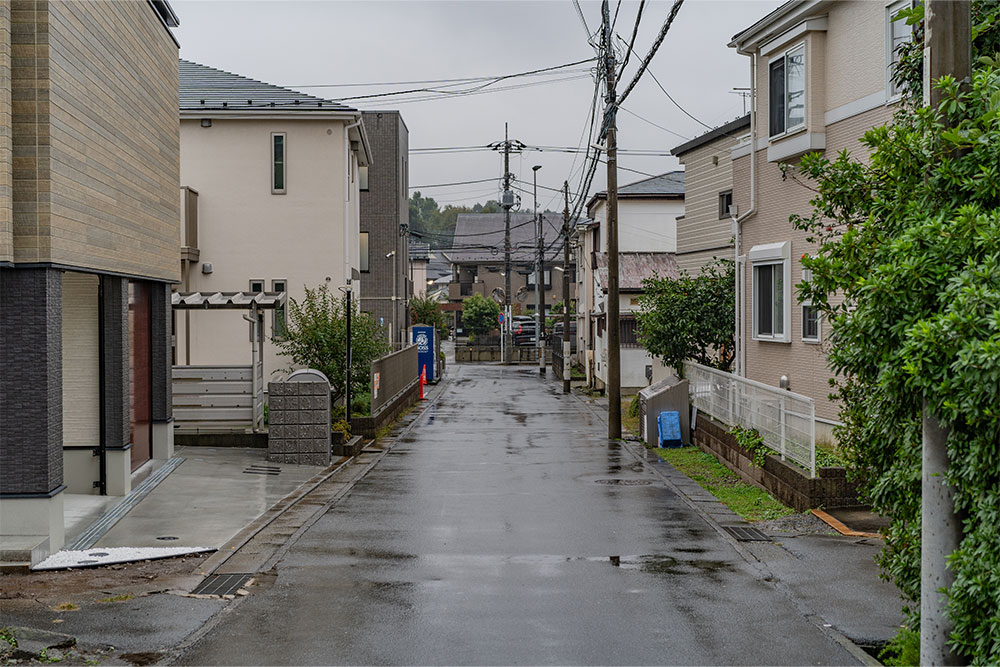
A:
[652,51]
[676,134]
[446,185]
[670,97]
[631,43]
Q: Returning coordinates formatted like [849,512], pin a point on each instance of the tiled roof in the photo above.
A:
[207,88]
[668,186]
[732,129]
[479,238]
[633,267]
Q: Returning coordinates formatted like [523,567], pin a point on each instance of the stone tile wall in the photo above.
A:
[299,423]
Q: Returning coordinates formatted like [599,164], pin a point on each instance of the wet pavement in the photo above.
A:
[505,529]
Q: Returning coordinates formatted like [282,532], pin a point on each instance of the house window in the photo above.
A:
[810,323]
[787,91]
[256,287]
[278,314]
[725,201]
[768,300]
[897,33]
[363,261]
[628,333]
[363,179]
[533,278]
[278,158]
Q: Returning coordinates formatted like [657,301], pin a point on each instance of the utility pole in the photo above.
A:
[566,345]
[539,281]
[947,50]
[614,334]
[507,201]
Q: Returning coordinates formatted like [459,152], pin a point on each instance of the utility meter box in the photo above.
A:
[669,395]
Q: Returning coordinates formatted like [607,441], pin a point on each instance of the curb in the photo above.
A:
[759,566]
[842,528]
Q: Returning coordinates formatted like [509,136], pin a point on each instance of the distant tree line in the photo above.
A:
[430,223]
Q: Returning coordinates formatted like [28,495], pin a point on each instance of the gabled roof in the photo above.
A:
[730,130]
[479,237]
[633,267]
[664,186]
[204,88]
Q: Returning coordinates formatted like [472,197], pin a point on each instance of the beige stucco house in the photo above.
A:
[276,174]
[647,242]
[820,78]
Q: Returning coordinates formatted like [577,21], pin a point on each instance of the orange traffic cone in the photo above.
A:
[423,381]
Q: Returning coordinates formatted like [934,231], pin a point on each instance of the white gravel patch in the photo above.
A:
[97,556]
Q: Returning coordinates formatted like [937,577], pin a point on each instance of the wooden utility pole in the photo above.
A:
[612,309]
[947,51]
[566,344]
[506,200]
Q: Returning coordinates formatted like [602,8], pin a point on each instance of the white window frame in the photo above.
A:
[787,131]
[275,313]
[773,254]
[807,276]
[263,286]
[284,163]
[891,9]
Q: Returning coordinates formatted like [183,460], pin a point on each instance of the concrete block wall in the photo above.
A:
[299,423]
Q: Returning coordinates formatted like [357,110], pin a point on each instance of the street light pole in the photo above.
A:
[539,282]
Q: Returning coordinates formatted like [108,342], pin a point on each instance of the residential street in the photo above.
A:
[505,529]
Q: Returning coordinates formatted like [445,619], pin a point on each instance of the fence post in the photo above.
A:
[783,417]
[812,439]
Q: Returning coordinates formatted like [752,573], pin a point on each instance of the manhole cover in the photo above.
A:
[255,469]
[222,584]
[746,534]
[625,482]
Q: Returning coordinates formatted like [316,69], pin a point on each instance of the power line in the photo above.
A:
[447,185]
[652,51]
[458,81]
[629,111]
[459,94]
[669,97]
[490,82]
[631,43]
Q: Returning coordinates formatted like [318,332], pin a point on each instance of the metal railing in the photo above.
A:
[557,356]
[786,421]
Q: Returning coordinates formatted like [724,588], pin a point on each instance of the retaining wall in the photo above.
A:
[783,480]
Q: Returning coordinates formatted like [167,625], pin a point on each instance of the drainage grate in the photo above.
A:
[221,584]
[256,469]
[746,534]
[96,530]
[625,482]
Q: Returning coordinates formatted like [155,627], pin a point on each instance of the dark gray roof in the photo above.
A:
[666,186]
[479,238]
[207,88]
[633,267]
[732,129]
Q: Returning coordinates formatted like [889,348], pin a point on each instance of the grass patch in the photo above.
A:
[750,502]
[66,606]
[630,414]
[124,597]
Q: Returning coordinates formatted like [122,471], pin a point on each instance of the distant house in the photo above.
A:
[277,175]
[89,244]
[477,261]
[385,216]
[647,242]
[705,232]
[802,102]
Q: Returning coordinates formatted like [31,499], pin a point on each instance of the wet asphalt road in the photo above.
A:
[490,535]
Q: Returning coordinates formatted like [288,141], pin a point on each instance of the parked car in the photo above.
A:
[557,330]
[524,332]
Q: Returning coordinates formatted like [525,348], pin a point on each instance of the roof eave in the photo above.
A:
[773,24]
[275,113]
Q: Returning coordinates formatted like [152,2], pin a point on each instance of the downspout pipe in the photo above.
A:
[738,219]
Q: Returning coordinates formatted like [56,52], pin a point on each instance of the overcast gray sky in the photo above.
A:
[299,44]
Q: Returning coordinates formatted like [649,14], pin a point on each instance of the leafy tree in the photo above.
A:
[479,314]
[690,317]
[908,277]
[316,337]
[556,313]
[425,310]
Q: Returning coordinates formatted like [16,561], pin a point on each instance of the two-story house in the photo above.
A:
[89,238]
[820,77]
[705,231]
[477,260]
[647,242]
[278,176]
[386,285]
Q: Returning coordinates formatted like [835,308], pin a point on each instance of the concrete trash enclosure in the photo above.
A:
[299,419]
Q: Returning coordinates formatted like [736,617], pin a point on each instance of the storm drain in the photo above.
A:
[222,584]
[625,482]
[746,534]
[256,469]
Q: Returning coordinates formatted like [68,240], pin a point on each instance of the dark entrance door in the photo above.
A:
[140,369]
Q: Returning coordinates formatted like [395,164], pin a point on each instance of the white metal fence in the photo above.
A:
[786,421]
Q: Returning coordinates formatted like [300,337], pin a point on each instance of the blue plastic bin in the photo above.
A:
[669,426]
